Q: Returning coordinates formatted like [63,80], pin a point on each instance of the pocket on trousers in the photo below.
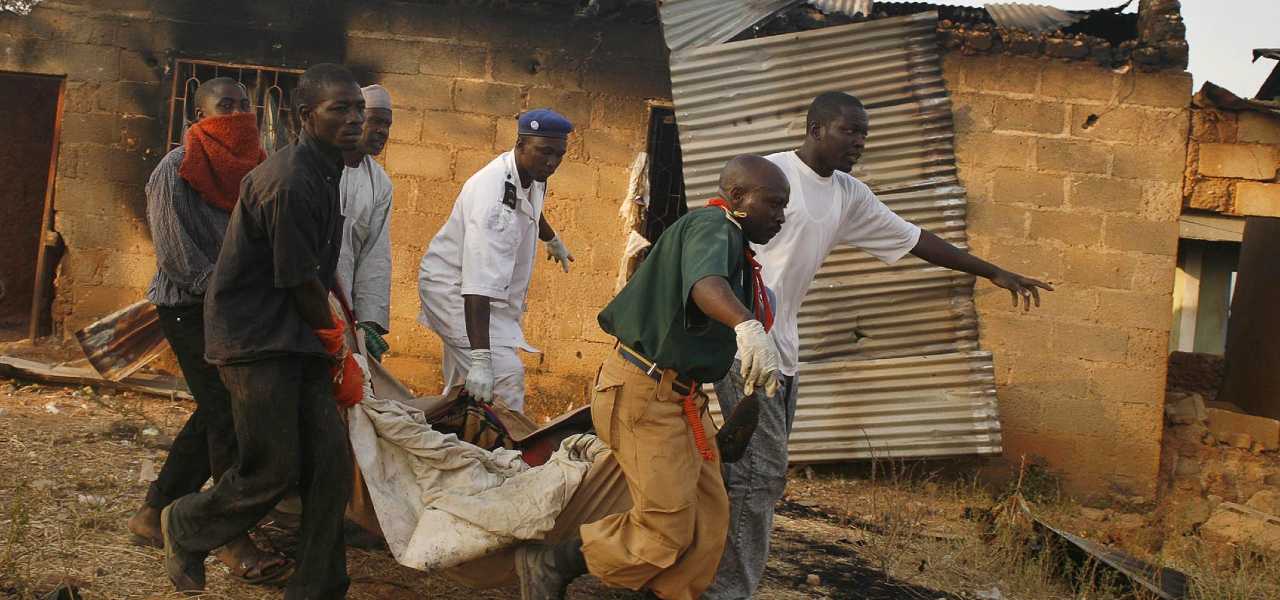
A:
[604,402]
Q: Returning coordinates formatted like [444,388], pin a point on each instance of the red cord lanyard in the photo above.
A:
[760,298]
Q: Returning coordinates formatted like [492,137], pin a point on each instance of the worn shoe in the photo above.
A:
[185,569]
[546,570]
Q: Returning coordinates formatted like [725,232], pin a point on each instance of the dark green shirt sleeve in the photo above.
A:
[707,252]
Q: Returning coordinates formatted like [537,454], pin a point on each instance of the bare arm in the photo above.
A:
[312,301]
[715,298]
[545,232]
[938,251]
[477,317]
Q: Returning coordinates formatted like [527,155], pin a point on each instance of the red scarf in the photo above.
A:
[220,151]
[760,301]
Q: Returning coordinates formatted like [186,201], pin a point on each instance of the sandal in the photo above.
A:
[261,569]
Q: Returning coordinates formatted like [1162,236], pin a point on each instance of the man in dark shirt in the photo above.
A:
[268,297]
[188,221]
[694,301]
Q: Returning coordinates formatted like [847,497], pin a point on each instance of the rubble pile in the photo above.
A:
[1221,471]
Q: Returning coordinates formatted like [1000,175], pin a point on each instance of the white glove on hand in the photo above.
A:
[558,251]
[480,376]
[759,357]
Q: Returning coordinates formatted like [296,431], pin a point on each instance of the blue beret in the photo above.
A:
[544,122]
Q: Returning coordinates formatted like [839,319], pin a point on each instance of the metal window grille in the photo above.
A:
[270,91]
[666,174]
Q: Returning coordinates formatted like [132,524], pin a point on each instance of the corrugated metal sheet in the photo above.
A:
[889,352]
[1034,18]
[689,24]
[852,8]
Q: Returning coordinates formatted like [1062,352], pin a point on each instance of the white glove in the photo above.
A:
[759,358]
[480,376]
[558,251]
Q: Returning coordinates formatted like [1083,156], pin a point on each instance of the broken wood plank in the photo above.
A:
[156,385]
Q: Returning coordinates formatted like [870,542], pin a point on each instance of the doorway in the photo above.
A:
[666,174]
[28,116]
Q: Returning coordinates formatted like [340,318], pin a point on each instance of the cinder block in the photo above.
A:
[419,92]
[406,125]
[998,220]
[1135,385]
[612,147]
[504,137]
[1162,201]
[1067,227]
[1243,161]
[470,161]
[619,112]
[641,79]
[1028,187]
[383,56]
[1258,128]
[429,162]
[1262,429]
[1153,273]
[1168,90]
[1211,194]
[1105,193]
[488,98]
[1142,310]
[1025,258]
[974,111]
[458,129]
[1074,81]
[1072,156]
[1030,116]
[1257,199]
[423,20]
[1090,342]
[1144,344]
[1098,269]
[1209,125]
[1165,129]
[994,149]
[574,105]
[1135,161]
[1112,123]
[96,128]
[573,180]
[439,58]
[1141,235]
[547,68]
[995,73]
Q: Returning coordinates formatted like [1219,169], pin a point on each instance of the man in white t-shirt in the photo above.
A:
[828,207]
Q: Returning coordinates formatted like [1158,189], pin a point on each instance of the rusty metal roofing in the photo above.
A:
[689,24]
[1032,18]
[890,363]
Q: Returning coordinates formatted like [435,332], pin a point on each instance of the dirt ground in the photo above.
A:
[77,461]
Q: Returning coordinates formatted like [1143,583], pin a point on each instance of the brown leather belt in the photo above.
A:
[682,387]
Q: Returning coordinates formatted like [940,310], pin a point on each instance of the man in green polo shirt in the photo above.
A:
[694,302]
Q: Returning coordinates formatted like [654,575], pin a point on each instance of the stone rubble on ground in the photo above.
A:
[1226,425]
[1183,408]
[1243,527]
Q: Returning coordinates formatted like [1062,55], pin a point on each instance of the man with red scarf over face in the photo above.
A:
[189,200]
[695,301]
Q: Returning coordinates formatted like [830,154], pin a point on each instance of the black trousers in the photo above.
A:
[290,437]
[206,445]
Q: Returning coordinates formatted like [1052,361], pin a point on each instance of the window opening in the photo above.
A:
[270,91]
[666,174]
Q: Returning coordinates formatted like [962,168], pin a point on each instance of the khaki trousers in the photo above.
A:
[671,540]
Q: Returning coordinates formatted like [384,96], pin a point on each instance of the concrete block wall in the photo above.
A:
[458,77]
[1074,176]
[1233,163]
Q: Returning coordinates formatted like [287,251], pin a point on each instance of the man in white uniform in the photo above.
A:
[475,274]
[364,264]
[828,207]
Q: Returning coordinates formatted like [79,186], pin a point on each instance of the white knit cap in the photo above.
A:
[376,96]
